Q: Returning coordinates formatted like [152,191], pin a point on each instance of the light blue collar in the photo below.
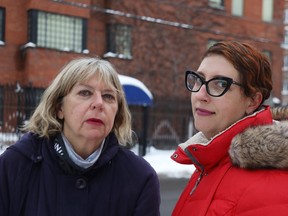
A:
[77,159]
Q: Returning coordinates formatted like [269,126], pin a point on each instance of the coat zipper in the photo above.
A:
[196,163]
[196,183]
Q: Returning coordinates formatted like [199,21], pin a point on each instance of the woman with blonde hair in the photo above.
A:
[73,159]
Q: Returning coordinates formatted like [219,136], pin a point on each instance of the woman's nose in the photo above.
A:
[202,93]
[97,102]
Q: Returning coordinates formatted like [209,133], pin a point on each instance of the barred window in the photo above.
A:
[216,3]
[119,40]
[57,31]
[2,25]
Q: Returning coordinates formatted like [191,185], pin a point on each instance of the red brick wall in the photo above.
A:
[161,53]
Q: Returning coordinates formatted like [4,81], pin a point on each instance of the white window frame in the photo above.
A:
[267,10]
[119,41]
[57,31]
[285,64]
[285,41]
[286,16]
[284,87]
[237,7]
[216,4]
[285,76]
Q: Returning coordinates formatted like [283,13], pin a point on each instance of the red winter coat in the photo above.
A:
[251,181]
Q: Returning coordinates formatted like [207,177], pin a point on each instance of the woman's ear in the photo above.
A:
[254,103]
[60,113]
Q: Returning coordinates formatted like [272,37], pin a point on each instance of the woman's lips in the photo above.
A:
[203,112]
[94,121]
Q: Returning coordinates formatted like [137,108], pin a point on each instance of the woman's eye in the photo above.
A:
[85,93]
[221,84]
[109,97]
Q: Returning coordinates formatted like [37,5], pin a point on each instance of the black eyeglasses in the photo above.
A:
[215,87]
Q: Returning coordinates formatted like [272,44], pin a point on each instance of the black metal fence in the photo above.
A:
[169,123]
[16,106]
[164,125]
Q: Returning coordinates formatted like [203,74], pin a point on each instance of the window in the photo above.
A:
[237,7]
[267,10]
[2,25]
[119,40]
[286,36]
[285,63]
[268,54]
[285,42]
[57,31]
[216,3]
[286,16]
[211,42]
[285,87]
[285,76]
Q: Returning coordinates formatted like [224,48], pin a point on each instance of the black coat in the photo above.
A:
[33,183]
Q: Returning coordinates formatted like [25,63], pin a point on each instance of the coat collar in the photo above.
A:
[264,146]
[205,154]
[30,145]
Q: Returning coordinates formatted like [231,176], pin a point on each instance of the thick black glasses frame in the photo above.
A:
[204,82]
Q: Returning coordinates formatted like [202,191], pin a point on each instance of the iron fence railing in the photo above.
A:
[16,106]
[168,121]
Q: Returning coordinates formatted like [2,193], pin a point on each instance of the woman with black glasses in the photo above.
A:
[240,154]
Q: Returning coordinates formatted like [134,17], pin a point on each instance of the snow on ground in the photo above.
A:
[7,139]
[166,167]
[2,149]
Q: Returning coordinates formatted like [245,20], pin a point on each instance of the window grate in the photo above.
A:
[119,40]
[2,24]
[57,31]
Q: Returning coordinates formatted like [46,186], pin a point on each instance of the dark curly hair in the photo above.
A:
[253,66]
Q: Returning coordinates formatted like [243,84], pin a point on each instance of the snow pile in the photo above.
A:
[166,167]
[2,148]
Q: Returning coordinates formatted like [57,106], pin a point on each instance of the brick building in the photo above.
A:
[153,41]
[285,64]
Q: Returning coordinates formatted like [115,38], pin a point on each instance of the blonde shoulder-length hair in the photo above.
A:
[44,120]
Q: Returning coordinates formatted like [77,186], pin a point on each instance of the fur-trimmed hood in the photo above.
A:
[261,147]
